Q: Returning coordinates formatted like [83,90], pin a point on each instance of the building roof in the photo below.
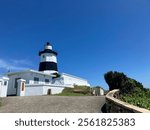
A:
[73,76]
[42,73]
[27,71]
[4,78]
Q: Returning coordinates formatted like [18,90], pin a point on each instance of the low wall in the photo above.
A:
[32,90]
[113,105]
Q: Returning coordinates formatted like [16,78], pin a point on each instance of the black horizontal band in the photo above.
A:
[48,66]
[47,51]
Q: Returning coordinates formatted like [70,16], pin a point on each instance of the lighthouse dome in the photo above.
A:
[48,46]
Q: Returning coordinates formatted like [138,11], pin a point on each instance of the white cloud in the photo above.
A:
[21,62]
[3,64]
[14,64]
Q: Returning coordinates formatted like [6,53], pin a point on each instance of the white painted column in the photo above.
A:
[21,87]
[3,86]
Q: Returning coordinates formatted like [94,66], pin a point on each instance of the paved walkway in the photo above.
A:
[52,104]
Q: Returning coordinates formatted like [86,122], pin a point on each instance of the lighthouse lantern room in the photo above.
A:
[48,62]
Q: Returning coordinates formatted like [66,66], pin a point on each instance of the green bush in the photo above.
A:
[139,98]
[117,80]
[131,91]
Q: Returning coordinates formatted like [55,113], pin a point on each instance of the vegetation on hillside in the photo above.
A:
[131,91]
[0,102]
[76,91]
[139,97]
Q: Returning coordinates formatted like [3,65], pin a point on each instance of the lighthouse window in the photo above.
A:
[43,56]
[36,80]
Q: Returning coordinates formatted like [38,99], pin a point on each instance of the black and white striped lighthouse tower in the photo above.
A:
[48,63]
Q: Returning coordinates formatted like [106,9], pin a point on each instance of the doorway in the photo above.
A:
[49,92]
[16,85]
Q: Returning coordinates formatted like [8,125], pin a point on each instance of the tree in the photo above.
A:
[115,79]
[118,80]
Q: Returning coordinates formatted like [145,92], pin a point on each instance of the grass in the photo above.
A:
[76,91]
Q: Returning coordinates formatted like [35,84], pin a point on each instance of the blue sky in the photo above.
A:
[91,36]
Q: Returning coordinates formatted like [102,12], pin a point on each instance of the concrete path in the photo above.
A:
[52,104]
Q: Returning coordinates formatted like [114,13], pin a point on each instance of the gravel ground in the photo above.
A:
[52,104]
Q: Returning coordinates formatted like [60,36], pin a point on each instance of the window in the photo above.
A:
[47,81]
[5,83]
[36,80]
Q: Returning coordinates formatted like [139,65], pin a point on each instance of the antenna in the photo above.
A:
[8,69]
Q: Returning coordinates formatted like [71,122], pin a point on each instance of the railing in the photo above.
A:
[113,105]
[50,85]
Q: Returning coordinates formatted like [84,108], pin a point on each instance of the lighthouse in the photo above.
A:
[48,62]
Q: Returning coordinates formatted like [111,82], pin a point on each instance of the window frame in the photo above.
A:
[47,81]
[36,80]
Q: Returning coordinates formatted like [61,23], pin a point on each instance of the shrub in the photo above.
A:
[117,80]
[131,91]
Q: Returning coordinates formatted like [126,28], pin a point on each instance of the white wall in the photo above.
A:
[3,87]
[73,80]
[29,77]
[11,85]
[32,90]
[102,92]
[54,89]
[41,78]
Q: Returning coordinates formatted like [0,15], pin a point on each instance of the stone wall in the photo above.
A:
[113,105]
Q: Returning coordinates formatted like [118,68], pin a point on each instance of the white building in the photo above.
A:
[45,81]
[98,91]
[3,86]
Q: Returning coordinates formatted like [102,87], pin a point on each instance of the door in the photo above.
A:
[49,92]
[16,85]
